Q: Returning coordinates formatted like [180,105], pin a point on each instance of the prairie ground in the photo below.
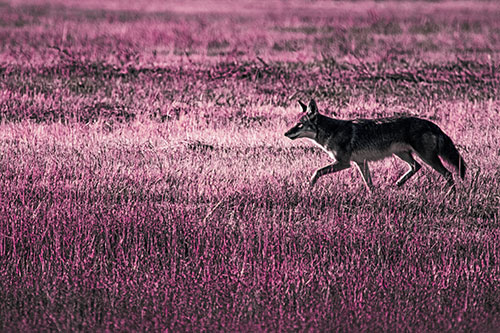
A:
[146,184]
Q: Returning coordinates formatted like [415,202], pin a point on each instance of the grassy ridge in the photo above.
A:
[145,182]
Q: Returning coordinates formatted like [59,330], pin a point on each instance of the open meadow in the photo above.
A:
[146,183]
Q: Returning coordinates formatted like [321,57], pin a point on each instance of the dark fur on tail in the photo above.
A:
[450,154]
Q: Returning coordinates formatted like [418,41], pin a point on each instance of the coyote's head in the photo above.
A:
[307,124]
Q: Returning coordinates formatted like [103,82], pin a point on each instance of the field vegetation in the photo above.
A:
[146,184]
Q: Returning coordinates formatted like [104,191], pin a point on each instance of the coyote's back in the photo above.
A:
[365,140]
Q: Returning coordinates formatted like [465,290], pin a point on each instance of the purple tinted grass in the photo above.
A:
[145,182]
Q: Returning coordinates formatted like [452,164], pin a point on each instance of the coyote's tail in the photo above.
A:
[450,154]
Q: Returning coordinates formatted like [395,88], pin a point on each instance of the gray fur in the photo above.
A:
[364,140]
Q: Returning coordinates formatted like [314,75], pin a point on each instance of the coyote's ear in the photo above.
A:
[313,108]
[303,106]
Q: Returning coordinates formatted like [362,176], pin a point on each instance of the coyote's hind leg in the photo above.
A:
[414,167]
[436,164]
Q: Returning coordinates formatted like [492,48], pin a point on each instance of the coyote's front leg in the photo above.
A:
[337,166]
[365,173]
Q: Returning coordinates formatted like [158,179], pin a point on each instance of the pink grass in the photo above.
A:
[145,182]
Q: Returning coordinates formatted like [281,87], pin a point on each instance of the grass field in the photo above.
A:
[146,184]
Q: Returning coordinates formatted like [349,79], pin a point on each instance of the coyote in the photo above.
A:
[364,140]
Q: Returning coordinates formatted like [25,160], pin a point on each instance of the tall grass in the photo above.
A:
[145,182]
